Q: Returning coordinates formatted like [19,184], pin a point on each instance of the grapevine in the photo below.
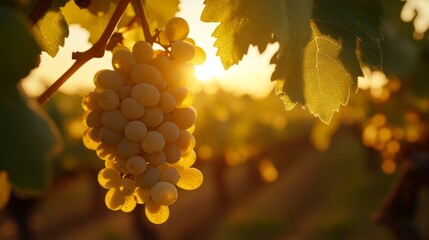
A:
[140,121]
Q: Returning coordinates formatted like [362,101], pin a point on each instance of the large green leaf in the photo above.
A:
[52,29]
[29,141]
[19,51]
[289,59]
[322,45]
[331,71]
[345,35]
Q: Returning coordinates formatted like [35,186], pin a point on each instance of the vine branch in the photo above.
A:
[38,11]
[145,25]
[96,51]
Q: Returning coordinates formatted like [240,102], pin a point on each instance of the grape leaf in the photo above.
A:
[320,53]
[159,12]
[30,141]
[330,73]
[19,47]
[243,23]
[289,59]
[52,29]
[51,32]
[345,34]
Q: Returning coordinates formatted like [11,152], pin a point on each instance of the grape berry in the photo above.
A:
[139,120]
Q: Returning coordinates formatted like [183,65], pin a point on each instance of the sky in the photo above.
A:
[251,76]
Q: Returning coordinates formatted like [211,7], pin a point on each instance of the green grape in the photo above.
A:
[142,195]
[200,56]
[163,193]
[163,39]
[170,131]
[190,40]
[132,109]
[170,174]
[155,159]
[136,165]
[120,164]
[184,117]
[172,153]
[126,148]
[90,142]
[109,136]
[114,199]
[143,52]
[185,142]
[152,117]
[156,213]
[148,178]
[109,164]
[129,204]
[163,86]
[109,178]
[168,117]
[127,186]
[90,101]
[176,29]
[120,48]
[190,178]
[124,92]
[153,142]
[184,96]
[146,94]
[108,100]
[144,73]
[106,152]
[167,102]
[162,63]
[182,51]
[114,120]
[135,131]
[108,79]
[187,160]
[123,61]
[92,118]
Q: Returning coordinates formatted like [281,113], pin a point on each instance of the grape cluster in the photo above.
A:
[140,120]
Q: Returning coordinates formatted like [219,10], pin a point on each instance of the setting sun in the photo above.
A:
[209,70]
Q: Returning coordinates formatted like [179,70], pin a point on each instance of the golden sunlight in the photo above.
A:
[211,69]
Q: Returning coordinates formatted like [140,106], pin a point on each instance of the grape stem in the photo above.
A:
[96,51]
[38,11]
[145,25]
